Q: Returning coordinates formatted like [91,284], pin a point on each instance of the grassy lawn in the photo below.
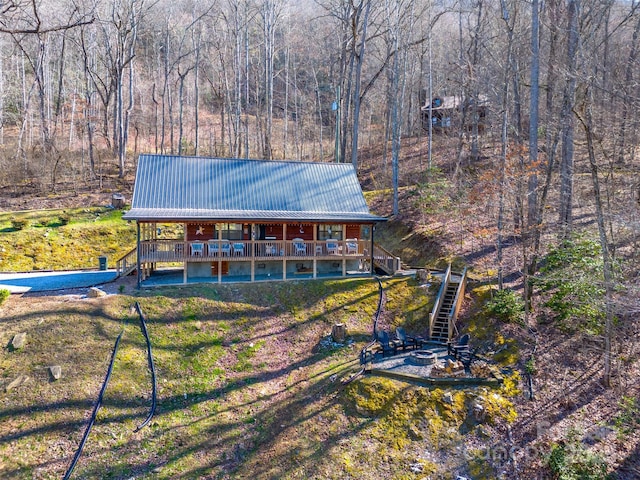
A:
[248,386]
[63,239]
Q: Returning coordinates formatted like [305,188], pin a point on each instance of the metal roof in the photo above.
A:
[198,188]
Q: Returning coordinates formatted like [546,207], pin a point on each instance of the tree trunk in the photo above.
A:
[604,242]
[356,95]
[567,121]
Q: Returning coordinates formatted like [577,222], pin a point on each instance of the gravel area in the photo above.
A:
[403,363]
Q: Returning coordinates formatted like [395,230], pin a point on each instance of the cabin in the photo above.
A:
[202,219]
[447,111]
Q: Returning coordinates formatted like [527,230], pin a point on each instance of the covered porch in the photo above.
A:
[221,219]
[233,252]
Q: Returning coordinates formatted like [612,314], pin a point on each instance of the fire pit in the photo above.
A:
[423,357]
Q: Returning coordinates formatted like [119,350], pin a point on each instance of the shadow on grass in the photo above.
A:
[226,427]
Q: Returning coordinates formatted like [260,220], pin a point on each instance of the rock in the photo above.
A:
[447,398]
[19,340]
[95,292]
[21,379]
[422,276]
[55,371]
[479,412]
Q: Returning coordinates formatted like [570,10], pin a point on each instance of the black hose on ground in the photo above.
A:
[152,368]
[95,409]
[376,317]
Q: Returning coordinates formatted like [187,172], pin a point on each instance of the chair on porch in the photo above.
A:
[213,248]
[225,248]
[300,248]
[332,247]
[197,249]
[352,246]
[238,249]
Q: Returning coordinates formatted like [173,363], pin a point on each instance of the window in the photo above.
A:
[326,232]
[231,231]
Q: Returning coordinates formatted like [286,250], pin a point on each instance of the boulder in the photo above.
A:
[55,371]
[422,276]
[479,412]
[95,292]
[19,340]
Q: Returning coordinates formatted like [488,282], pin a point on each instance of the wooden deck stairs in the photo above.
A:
[385,261]
[443,317]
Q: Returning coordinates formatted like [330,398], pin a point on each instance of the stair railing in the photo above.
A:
[439,299]
[127,263]
[457,303]
[385,260]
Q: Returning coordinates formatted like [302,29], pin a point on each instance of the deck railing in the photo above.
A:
[439,300]
[386,260]
[127,264]
[236,250]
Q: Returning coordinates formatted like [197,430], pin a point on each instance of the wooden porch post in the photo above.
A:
[344,249]
[315,250]
[219,230]
[371,268]
[139,271]
[284,257]
[184,254]
[253,251]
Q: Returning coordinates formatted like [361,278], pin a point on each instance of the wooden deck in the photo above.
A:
[157,251]
[251,260]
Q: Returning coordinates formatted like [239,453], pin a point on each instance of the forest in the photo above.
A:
[499,135]
[544,94]
[86,84]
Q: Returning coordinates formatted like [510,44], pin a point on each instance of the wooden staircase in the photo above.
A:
[385,261]
[443,317]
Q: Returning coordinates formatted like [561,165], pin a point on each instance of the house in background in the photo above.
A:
[448,111]
[218,220]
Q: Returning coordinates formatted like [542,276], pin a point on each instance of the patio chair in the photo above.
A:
[332,247]
[270,249]
[197,249]
[225,248]
[460,351]
[352,246]
[213,247]
[406,342]
[238,249]
[388,345]
[300,248]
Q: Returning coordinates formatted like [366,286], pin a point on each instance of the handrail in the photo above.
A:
[439,299]
[457,303]
[385,259]
[127,263]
